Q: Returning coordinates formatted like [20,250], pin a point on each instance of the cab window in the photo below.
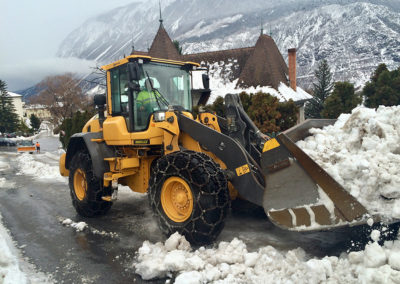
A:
[119,91]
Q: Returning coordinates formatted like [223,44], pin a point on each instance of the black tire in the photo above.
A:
[209,189]
[91,204]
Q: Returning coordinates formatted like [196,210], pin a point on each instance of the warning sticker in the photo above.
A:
[242,170]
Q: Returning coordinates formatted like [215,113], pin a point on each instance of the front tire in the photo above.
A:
[86,189]
[189,194]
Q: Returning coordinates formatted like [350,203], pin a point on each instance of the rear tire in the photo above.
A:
[86,189]
[189,194]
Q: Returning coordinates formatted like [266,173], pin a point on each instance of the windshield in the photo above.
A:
[26,143]
[172,82]
[160,84]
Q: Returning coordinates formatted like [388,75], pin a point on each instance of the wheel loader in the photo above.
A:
[146,137]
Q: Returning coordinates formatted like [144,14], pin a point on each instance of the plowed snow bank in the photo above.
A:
[231,262]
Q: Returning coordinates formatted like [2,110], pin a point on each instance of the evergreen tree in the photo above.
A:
[23,128]
[218,106]
[383,88]
[264,112]
[342,100]
[35,122]
[178,46]
[245,98]
[321,90]
[289,112]
[381,68]
[8,117]
[73,125]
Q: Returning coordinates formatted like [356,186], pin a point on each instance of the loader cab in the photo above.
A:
[140,86]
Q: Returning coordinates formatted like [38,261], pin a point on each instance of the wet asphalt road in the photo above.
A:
[32,211]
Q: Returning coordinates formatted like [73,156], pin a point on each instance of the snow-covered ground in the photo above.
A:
[34,165]
[10,271]
[9,266]
[13,268]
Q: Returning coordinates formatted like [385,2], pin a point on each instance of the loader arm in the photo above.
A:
[240,127]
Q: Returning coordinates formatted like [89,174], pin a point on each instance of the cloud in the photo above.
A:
[25,74]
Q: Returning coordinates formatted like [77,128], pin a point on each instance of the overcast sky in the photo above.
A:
[32,30]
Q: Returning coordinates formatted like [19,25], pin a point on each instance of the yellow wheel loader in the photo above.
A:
[145,137]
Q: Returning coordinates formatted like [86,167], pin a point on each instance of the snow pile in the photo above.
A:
[79,227]
[231,262]
[83,226]
[4,165]
[362,152]
[3,181]
[6,184]
[9,267]
[29,166]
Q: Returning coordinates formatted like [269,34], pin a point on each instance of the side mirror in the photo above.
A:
[206,81]
[100,100]
[133,71]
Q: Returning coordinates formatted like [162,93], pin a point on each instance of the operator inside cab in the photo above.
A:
[148,100]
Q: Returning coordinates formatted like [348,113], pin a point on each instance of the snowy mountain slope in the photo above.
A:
[354,39]
[111,34]
[354,36]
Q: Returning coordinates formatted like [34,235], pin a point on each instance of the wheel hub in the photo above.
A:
[80,185]
[177,199]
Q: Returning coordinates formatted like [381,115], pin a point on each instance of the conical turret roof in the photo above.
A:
[265,66]
[162,46]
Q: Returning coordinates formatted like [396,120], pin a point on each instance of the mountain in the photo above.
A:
[30,92]
[354,36]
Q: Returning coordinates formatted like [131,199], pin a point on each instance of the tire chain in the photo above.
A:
[95,190]
[209,190]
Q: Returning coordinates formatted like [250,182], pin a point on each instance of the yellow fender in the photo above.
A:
[63,171]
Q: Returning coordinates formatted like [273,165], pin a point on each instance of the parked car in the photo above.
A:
[11,135]
[7,142]
[26,146]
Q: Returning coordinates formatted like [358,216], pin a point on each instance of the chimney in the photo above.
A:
[292,67]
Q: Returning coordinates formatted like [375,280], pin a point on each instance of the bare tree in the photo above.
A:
[62,95]
[97,76]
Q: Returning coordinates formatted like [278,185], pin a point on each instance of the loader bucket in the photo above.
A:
[299,194]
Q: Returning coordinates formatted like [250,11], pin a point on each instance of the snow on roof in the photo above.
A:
[288,93]
[13,95]
[35,106]
[220,85]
